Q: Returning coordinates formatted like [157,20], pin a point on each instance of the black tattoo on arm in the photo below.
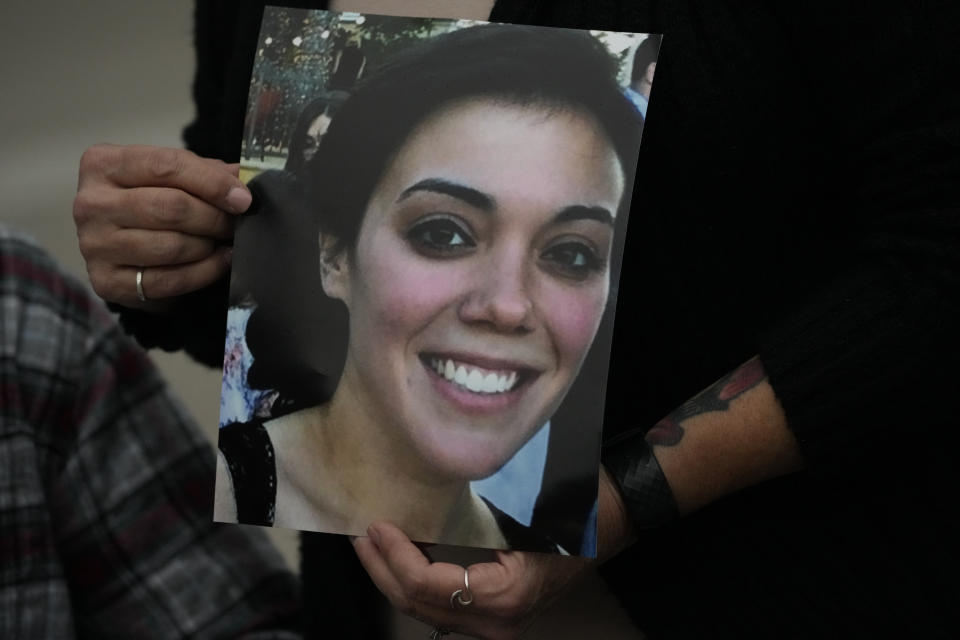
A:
[717,397]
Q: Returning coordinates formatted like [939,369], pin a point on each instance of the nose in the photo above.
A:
[500,294]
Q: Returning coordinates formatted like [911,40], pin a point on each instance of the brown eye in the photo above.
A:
[575,260]
[440,236]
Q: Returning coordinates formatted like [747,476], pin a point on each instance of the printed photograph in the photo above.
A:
[423,292]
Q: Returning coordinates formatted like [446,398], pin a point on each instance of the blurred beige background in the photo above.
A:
[75,74]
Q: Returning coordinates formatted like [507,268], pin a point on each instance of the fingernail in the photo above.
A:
[374,535]
[239,199]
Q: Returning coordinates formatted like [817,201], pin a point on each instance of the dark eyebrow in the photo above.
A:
[471,196]
[582,212]
[485,202]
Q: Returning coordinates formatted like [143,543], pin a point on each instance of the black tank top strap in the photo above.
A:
[250,458]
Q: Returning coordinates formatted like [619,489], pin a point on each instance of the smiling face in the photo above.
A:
[478,280]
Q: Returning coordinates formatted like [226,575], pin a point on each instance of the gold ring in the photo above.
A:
[140,294]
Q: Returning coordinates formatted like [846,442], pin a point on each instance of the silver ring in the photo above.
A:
[140,294]
[438,632]
[457,596]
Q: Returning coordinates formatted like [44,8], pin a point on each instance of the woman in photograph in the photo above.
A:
[469,229]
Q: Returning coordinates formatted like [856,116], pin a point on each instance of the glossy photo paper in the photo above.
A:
[423,292]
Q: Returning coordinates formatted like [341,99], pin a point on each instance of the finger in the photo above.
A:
[170,209]
[378,570]
[426,582]
[490,580]
[139,166]
[107,247]
[390,585]
[416,573]
[119,284]
[518,583]
[144,248]
[169,281]
[232,167]
[437,613]
[97,207]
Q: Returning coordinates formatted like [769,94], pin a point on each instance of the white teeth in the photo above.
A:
[474,380]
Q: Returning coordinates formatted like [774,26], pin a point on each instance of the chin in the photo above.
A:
[468,463]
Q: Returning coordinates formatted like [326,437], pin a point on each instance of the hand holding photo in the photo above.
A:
[423,293]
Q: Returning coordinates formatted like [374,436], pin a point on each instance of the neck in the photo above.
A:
[366,470]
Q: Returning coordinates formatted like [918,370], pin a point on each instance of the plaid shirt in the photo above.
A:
[106,485]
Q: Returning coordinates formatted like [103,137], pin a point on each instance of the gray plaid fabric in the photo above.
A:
[106,485]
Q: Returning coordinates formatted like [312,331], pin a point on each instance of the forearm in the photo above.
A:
[615,530]
[730,436]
